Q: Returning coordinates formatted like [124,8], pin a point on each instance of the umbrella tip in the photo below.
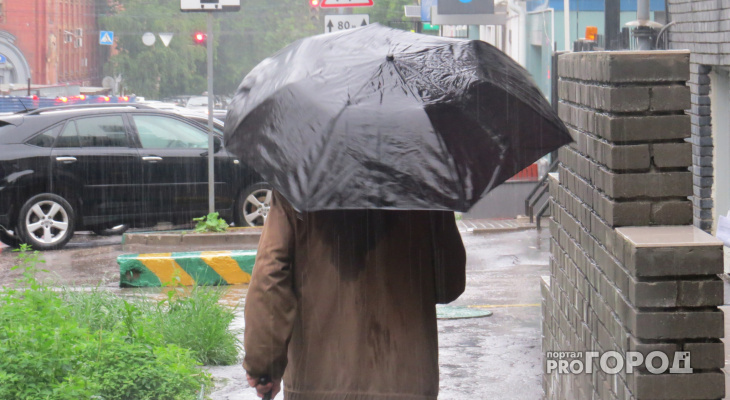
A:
[389,57]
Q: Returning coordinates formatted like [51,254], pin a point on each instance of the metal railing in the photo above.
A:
[536,194]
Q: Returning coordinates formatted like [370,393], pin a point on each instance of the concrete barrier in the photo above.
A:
[186,268]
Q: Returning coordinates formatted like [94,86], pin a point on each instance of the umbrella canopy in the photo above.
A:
[381,118]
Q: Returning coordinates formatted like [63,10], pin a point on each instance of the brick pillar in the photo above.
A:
[702,146]
[628,271]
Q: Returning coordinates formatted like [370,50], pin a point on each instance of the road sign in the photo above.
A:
[210,5]
[343,22]
[346,3]
[166,37]
[106,38]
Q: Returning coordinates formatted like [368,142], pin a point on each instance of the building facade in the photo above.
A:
[49,42]
[703,27]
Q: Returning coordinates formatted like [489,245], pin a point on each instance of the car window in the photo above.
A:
[104,131]
[69,137]
[157,132]
[45,138]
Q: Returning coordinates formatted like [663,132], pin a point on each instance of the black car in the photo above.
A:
[65,169]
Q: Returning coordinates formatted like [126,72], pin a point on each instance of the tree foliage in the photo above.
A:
[242,39]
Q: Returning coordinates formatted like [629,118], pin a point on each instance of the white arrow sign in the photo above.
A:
[343,22]
[165,37]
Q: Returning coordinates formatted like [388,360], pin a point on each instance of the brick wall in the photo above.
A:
[703,27]
[628,271]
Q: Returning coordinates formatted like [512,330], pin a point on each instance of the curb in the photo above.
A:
[203,268]
[242,238]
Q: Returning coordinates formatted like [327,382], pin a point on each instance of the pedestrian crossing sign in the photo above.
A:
[106,38]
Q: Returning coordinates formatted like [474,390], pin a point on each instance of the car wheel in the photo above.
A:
[9,240]
[110,231]
[46,222]
[253,205]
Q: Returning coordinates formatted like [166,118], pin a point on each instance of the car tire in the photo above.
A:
[9,240]
[110,231]
[46,222]
[252,207]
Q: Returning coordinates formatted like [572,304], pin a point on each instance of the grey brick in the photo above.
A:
[652,184]
[653,294]
[700,141]
[676,324]
[700,79]
[702,213]
[672,155]
[644,128]
[670,98]
[702,161]
[702,181]
[702,192]
[701,130]
[700,100]
[677,212]
[703,385]
[700,293]
[702,150]
[699,69]
[706,355]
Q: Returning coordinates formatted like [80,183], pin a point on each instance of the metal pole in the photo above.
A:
[566,23]
[613,25]
[211,99]
[643,32]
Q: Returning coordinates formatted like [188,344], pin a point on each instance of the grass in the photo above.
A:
[81,344]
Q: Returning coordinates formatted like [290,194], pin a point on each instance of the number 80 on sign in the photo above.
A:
[336,23]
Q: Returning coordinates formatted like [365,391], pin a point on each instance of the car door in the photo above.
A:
[175,165]
[94,157]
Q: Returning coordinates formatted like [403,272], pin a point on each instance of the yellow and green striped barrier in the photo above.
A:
[186,268]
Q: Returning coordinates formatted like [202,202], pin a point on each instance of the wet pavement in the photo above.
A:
[496,357]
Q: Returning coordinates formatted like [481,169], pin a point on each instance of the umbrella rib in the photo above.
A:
[441,142]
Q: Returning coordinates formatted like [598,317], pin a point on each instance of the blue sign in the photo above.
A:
[106,38]
[3,59]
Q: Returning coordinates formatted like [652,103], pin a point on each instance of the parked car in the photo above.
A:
[64,169]
[200,103]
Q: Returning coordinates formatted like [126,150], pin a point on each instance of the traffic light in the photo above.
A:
[200,38]
[314,9]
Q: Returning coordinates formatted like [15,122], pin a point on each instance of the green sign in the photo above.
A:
[429,27]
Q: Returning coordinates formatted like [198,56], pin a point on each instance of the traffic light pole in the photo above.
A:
[211,100]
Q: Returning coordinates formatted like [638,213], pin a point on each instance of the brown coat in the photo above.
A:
[344,301]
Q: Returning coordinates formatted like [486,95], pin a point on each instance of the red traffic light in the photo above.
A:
[314,3]
[200,37]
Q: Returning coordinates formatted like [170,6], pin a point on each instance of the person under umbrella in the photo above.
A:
[372,138]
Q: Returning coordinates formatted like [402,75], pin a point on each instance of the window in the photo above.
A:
[106,131]
[157,132]
[45,138]
[69,137]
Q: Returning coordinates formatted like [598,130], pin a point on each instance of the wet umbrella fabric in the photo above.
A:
[378,118]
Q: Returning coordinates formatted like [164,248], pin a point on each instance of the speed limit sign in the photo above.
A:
[343,22]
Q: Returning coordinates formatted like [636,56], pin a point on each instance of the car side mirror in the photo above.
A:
[217,144]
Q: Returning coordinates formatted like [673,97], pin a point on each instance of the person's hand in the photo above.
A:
[273,387]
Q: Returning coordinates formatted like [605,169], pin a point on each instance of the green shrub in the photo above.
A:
[210,223]
[64,345]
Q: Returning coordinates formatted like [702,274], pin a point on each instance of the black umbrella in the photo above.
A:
[376,117]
